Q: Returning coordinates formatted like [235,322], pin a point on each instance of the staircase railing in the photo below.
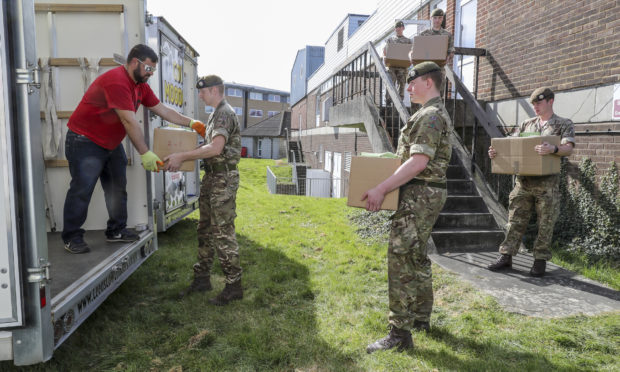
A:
[473,129]
[363,74]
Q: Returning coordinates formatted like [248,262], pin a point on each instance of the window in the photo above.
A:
[273,98]
[256,96]
[209,109]
[256,113]
[340,39]
[234,92]
[238,111]
[328,161]
[347,162]
[327,103]
[272,113]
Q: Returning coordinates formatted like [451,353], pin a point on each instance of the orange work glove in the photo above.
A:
[199,127]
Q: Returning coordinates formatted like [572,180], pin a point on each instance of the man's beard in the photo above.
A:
[139,78]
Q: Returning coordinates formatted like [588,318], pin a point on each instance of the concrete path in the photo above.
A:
[559,293]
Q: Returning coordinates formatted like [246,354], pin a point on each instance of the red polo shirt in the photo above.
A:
[95,117]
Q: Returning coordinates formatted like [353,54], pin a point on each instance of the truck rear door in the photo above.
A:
[10,285]
[23,211]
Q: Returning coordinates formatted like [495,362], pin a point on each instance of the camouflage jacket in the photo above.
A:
[555,126]
[427,133]
[398,40]
[224,122]
[441,31]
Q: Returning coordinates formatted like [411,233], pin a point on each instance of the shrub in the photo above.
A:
[589,221]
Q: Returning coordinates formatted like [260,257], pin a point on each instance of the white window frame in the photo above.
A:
[238,111]
[256,96]
[234,92]
[253,113]
[273,98]
[272,113]
[328,161]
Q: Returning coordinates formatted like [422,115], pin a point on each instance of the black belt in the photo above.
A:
[219,167]
[415,181]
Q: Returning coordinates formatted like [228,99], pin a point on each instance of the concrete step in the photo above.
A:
[466,220]
[461,187]
[456,172]
[467,240]
[464,203]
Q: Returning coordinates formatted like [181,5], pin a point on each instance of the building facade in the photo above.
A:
[570,47]
[251,103]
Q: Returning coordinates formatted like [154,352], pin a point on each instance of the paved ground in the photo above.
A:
[559,293]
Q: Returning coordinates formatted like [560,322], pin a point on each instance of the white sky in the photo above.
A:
[252,41]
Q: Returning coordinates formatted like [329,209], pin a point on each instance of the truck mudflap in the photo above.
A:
[75,303]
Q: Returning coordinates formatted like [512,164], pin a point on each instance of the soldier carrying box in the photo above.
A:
[538,193]
[436,29]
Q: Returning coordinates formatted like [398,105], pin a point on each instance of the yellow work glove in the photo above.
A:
[199,127]
[151,162]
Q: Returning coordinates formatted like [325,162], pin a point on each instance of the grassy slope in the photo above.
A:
[315,295]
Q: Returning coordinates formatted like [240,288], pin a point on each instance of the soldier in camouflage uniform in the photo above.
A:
[437,20]
[218,192]
[536,193]
[425,150]
[398,74]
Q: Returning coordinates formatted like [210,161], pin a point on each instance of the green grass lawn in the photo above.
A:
[315,296]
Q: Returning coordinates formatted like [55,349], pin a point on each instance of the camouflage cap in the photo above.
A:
[437,13]
[420,69]
[541,93]
[209,81]
[399,24]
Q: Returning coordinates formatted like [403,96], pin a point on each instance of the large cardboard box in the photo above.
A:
[366,173]
[167,141]
[430,48]
[397,55]
[516,155]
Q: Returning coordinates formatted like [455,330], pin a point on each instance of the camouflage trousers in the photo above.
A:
[399,77]
[216,228]
[410,279]
[541,194]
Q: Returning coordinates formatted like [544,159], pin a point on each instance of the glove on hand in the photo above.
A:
[199,127]
[151,162]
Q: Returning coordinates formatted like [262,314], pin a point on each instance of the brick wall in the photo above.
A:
[562,44]
[349,142]
[600,148]
[299,108]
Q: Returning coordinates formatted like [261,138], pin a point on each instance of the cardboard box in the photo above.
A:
[397,55]
[430,48]
[167,141]
[516,155]
[366,173]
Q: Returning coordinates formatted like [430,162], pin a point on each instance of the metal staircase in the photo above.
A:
[472,217]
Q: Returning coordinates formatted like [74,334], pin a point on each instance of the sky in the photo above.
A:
[255,42]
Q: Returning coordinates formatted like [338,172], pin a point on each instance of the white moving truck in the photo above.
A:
[50,51]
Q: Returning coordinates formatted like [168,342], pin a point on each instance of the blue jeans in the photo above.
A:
[89,162]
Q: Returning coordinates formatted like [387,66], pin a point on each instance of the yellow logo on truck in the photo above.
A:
[172,74]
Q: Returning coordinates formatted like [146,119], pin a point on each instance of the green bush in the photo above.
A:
[589,221]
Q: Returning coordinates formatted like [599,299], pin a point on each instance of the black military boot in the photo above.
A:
[397,337]
[230,292]
[420,325]
[200,283]
[503,262]
[538,269]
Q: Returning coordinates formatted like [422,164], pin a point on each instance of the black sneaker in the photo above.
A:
[123,236]
[77,245]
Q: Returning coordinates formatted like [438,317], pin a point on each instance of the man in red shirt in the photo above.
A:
[94,150]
